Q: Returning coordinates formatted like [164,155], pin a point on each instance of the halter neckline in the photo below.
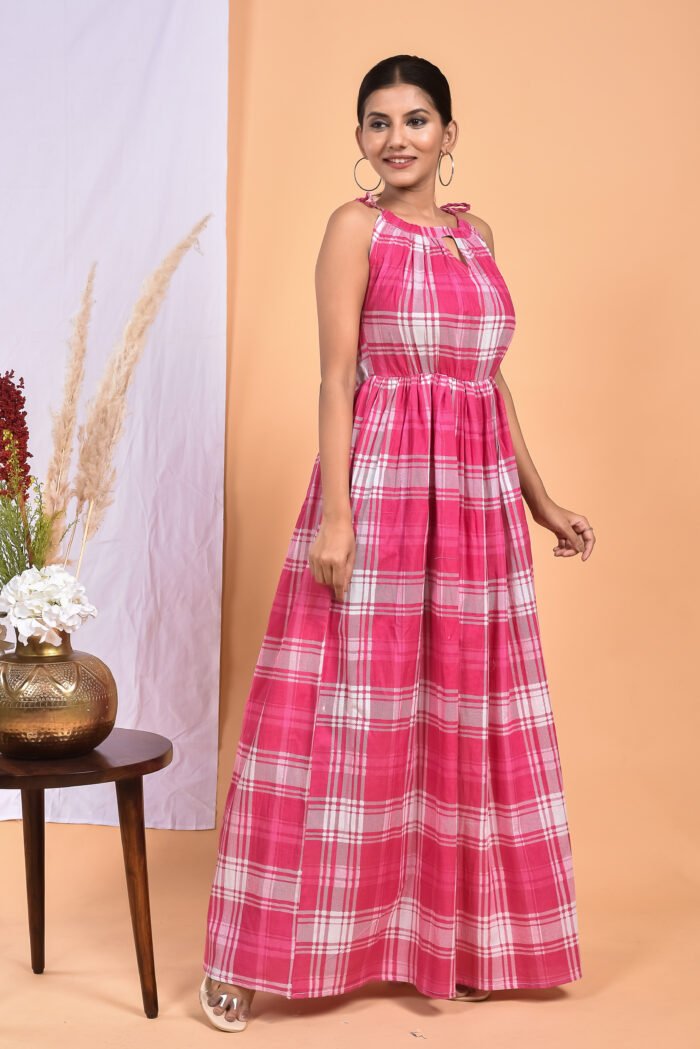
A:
[413,227]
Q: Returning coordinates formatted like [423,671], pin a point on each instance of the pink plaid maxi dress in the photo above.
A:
[396,809]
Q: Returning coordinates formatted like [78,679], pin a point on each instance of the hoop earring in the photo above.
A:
[447,154]
[354,175]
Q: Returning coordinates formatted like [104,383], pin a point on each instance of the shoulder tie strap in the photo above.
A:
[369,200]
[458,206]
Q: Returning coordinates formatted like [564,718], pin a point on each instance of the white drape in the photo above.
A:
[113,131]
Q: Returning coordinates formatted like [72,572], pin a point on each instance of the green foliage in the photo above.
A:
[39,526]
[25,528]
[13,552]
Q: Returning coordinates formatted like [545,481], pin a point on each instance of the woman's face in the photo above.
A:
[401,122]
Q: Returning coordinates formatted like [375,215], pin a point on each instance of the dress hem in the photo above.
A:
[266,986]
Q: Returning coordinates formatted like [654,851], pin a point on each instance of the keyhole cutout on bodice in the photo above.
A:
[451,246]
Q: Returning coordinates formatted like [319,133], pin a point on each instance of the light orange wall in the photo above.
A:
[578,144]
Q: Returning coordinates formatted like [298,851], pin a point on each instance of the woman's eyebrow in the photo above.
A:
[374,113]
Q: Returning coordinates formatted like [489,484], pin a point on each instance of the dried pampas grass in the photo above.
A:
[56,488]
[95,476]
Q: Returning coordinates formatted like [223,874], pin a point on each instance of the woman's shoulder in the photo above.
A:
[353,215]
[349,228]
[483,229]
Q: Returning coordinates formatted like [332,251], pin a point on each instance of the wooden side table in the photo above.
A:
[125,757]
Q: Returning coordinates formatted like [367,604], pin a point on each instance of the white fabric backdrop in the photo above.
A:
[113,130]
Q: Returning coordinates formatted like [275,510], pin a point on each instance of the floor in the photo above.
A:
[639,987]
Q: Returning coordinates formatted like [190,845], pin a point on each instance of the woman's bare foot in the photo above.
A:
[237,1003]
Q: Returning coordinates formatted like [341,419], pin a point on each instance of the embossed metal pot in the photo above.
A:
[54,702]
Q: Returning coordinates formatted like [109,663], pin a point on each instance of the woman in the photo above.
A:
[396,809]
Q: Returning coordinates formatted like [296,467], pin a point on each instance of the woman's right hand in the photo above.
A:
[332,554]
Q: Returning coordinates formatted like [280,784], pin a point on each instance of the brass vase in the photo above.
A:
[54,702]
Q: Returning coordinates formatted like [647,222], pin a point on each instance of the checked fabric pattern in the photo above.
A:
[396,808]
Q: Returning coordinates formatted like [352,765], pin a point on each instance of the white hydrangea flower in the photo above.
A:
[41,601]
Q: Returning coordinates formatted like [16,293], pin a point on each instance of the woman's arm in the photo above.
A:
[573,531]
[531,483]
[342,271]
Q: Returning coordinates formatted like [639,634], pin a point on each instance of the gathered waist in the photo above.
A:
[487,384]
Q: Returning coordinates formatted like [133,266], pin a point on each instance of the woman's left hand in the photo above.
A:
[573,531]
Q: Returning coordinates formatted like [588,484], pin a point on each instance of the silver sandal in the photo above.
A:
[219,1020]
[470,994]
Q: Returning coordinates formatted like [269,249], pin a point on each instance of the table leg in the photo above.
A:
[34,866]
[130,804]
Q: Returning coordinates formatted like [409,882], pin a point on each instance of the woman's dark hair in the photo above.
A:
[407,69]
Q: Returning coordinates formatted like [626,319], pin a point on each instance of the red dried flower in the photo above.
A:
[13,417]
